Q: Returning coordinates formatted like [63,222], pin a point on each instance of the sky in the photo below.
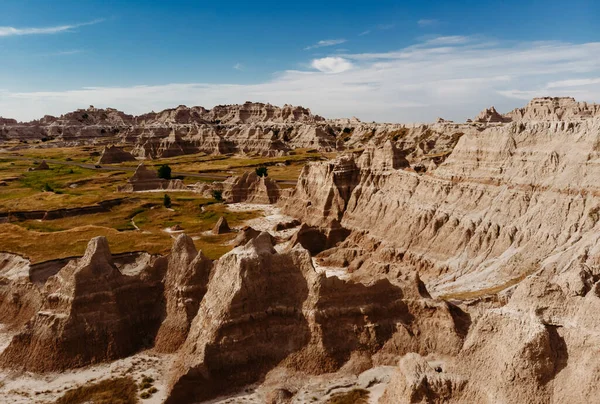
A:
[378,60]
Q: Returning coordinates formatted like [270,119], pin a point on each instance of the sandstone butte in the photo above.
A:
[469,276]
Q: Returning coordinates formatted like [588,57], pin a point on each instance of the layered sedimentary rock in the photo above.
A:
[245,234]
[383,158]
[316,239]
[251,188]
[221,226]
[323,190]
[490,115]
[148,180]
[19,297]
[474,212]
[251,128]
[249,320]
[264,308]
[416,381]
[114,154]
[185,285]
[504,220]
[511,210]
[91,312]
[555,109]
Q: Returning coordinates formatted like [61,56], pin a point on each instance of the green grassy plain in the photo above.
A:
[139,223]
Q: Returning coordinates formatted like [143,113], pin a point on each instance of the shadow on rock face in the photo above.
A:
[250,320]
[357,317]
[559,349]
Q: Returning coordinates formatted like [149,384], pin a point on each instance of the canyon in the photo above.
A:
[418,263]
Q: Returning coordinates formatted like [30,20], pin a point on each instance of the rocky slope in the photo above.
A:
[264,308]
[185,286]
[91,312]
[470,275]
[511,210]
[251,128]
[250,188]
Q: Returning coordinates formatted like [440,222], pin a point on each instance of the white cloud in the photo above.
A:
[238,66]
[454,79]
[573,83]
[331,64]
[12,31]
[366,32]
[424,22]
[447,40]
[326,42]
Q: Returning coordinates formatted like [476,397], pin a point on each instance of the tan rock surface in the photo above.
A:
[113,155]
[251,188]
[264,307]
[90,313]
[490,115]
[185,285]
[144,179]
[221,226]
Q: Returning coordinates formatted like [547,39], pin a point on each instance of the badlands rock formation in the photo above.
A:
[474,280]
[250,188]
[251,128]
[185,286]
[91,312]
[490,115]
[510,206]
[221,226]
[264,308]
[145,179]
[114,154]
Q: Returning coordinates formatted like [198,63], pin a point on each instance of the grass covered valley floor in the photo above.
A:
[139,222]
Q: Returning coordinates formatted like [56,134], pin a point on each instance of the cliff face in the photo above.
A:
[477,210]
[511,205]
[251,128]
[506,223]
[185,286]
[91,313]
[251,188]
[264,308]
[555,109]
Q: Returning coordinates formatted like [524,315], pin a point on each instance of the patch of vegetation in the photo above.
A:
[217,195]
[164,172]
[147,385]
[48,188]
[356,396]
[114,391]
[262,171]
[167,201]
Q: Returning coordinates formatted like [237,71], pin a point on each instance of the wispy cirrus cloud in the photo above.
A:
[427,22]
[365,32]
[238,66]
[12,31]
[452,78]
[573,83]
[326,42]
[65,52]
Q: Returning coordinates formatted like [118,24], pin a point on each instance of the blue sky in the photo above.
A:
[398,61]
